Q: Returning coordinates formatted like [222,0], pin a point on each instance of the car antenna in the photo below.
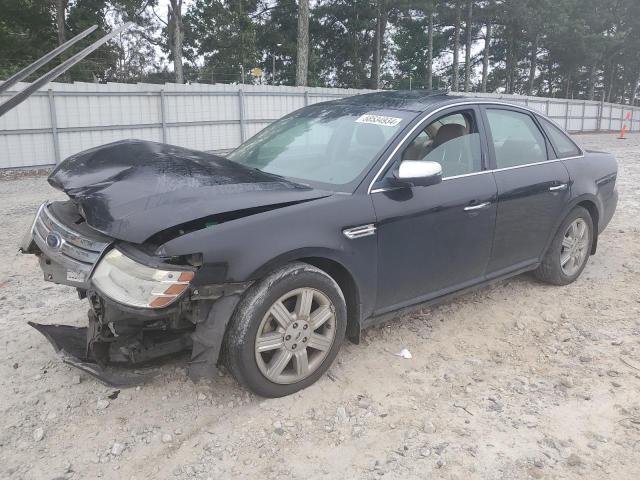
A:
[22,95]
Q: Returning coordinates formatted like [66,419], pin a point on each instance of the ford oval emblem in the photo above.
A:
[54,240]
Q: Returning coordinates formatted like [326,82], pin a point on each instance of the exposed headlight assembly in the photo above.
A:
[126,281]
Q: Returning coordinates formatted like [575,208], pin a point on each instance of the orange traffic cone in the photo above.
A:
[622,130]
[624,126]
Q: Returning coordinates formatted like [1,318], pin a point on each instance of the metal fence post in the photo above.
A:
[163,117]
[610,116]
[241,106]
[548,108]
[54,126]
[306,98]
[584,110]
[566,116]
[599,119]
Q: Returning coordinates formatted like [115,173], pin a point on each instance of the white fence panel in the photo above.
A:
[67,118]
[23,149]
[76,141]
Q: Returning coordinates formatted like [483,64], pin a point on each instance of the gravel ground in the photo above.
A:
[518,380]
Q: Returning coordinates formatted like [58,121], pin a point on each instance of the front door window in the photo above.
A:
[453,141]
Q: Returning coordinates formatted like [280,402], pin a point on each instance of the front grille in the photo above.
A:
[74,245]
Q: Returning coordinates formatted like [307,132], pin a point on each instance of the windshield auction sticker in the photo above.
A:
[379,120]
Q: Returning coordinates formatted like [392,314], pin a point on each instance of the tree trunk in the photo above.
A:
[508,62]
[623,84]
[302,59]
[591,88]
[550,72]
[612,78]
[374,81]
[61,6]
[430,53]
[176,35]
[485,57]
[634,90]
[467,47]
[533,64]
[456,49]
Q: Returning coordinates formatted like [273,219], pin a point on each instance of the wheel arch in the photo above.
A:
[590,206]
[334,266]
[349,288]
[588,202]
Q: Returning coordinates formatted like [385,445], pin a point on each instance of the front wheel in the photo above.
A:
[569,251]
[286,331]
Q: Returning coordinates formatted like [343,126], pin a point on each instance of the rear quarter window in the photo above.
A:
[562,144]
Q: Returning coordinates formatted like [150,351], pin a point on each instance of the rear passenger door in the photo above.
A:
[533,189]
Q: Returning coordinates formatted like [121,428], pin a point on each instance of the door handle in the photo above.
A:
[558,187]
[480,206]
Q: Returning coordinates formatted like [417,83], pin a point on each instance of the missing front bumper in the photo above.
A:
[70,343]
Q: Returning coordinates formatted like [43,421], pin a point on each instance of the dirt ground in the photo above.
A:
[518,380]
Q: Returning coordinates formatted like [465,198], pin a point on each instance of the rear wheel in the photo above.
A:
[286,331]
[569,251]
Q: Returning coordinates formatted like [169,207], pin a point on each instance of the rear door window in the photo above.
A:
[562,144]
[517,140]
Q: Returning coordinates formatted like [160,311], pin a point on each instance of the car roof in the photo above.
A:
[413,100]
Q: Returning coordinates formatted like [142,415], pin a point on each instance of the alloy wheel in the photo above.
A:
[575,247]
[295,335]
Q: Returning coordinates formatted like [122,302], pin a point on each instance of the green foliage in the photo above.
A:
[342,41]
[411,52]
[27,31]
[224,35]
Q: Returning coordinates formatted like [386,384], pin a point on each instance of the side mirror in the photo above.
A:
[419,173]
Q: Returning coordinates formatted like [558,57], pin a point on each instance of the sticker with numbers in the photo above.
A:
[379,120]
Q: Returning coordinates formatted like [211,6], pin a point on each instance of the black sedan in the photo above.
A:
[332,219]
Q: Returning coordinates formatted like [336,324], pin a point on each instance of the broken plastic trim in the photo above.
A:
[71,344]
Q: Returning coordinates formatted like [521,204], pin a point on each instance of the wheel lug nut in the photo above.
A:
[305,327]
[288,337]
[295,325]
[294,346]
[304,340]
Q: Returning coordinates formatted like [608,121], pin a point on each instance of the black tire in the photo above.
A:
[550,270]
[240,338]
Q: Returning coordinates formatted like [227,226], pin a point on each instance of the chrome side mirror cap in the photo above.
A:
[419,173]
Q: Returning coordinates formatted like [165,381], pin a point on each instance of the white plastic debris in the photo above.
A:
[404,353]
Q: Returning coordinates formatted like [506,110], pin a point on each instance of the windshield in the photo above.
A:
[326,144]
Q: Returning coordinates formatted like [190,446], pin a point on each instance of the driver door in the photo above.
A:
[436,239]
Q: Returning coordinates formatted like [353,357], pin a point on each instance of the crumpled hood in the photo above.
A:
[132,189]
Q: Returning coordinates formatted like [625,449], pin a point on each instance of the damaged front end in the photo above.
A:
[141,307]
[128,199]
